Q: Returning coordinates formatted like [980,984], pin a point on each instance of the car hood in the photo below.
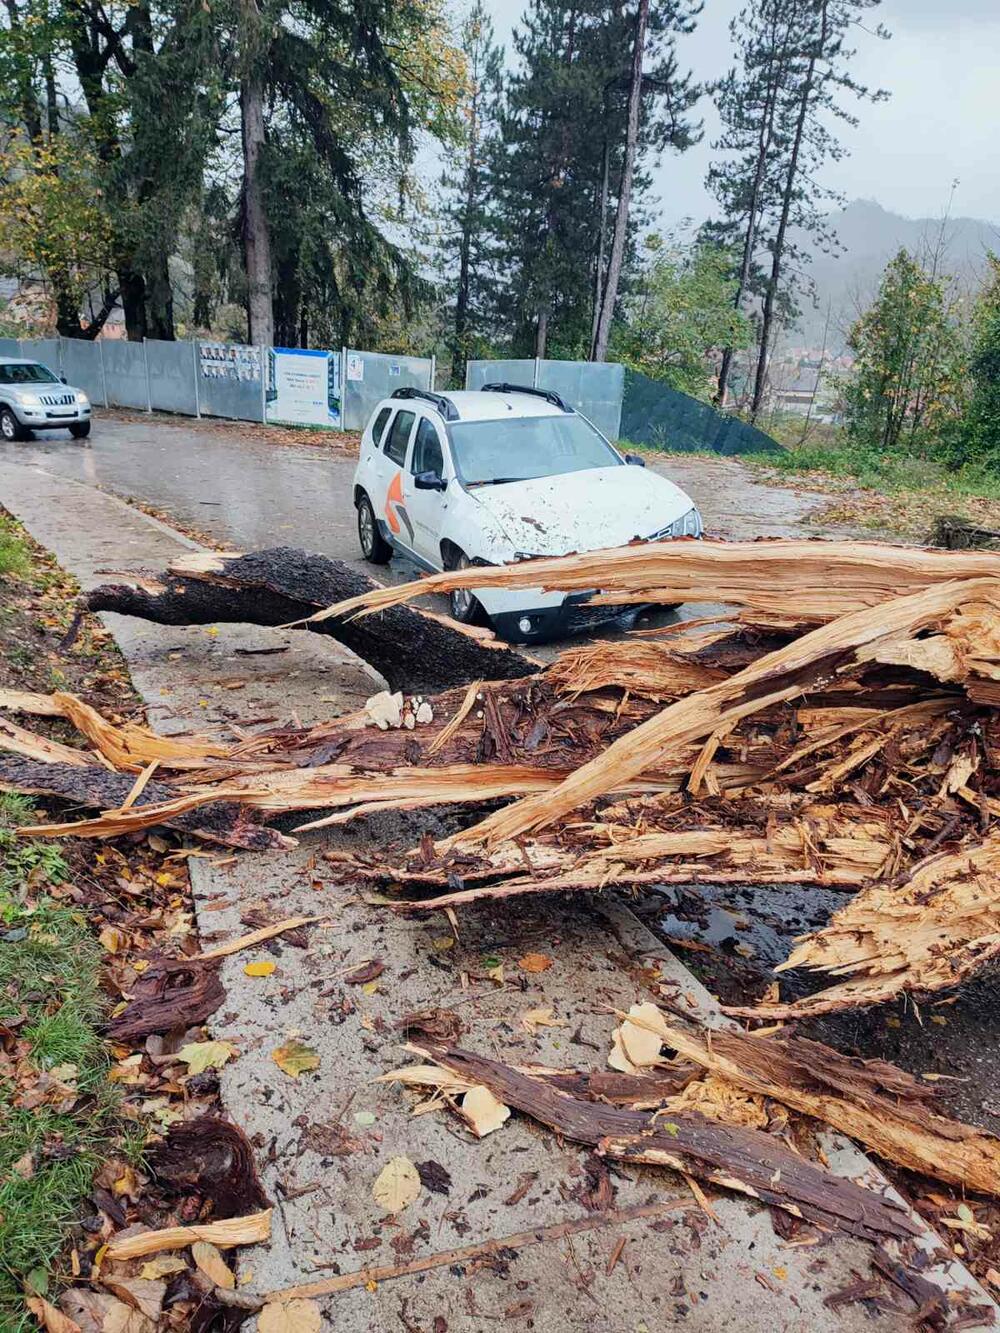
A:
[583,511]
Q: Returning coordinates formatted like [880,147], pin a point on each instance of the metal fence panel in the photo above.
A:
[9,347]
[81,364]
[171,368]
[478,373]
[125,373]
[229,381]
[45,350]
[593,388]
[657,415]
[372,376]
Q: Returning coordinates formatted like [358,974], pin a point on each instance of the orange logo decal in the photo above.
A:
[393,498]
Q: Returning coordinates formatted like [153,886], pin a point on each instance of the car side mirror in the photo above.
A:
[635,460]
[63,379]
[429,481]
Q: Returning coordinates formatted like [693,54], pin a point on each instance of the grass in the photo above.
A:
[15,561]
[50,994]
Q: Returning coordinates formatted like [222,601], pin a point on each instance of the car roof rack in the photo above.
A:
[444,405]
[548,394]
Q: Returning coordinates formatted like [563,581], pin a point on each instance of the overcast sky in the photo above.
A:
[942,67]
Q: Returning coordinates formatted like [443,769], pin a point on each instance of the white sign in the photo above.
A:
[303,388]
[355,367]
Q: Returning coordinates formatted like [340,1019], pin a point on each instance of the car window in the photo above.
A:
[427,455]
[379,424]
[398,437]
[520,448]
[29,372]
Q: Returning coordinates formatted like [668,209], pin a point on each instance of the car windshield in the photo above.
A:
[520,448]
[26,372]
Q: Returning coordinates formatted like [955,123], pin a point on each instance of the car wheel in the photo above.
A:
[464,607]
[375,549]
[80,430]
[10,427]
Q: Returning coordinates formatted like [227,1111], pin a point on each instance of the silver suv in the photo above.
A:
[32,397]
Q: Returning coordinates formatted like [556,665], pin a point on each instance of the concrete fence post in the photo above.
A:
[343,389]
[263,385]
[195,367]
[104,377]
[534,375]
[431,386]
[145,362]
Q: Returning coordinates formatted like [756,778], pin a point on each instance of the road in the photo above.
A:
[224,480]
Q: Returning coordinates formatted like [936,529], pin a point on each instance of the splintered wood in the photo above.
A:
[841,732]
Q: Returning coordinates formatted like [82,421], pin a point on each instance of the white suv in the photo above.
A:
[499,474]
[33,397]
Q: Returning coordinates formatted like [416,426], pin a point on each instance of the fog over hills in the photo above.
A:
[869,236]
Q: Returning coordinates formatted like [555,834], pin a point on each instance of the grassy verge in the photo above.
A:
[57,1108]
[894,492]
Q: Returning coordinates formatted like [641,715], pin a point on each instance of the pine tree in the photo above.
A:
[466,249]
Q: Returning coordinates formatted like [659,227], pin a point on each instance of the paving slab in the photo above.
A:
[323,1138]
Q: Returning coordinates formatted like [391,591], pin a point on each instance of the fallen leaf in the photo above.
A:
[443,942]
[366,972]
[210,1261]
[121,1318]
[141,1294]
[24,1166]
[51,1319]
[434,1177]
[533,1019]
[397,1185]
[534,962]
[364,1117]
[295,1058]
[112,939]
[298,1316]
[202,1055]
[483,1112]
[162,1266]
[264,968]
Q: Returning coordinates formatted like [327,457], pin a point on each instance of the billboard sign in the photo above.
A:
[303,387]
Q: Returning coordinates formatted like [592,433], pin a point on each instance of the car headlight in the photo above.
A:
[81,397]
[29,399]
[688,525]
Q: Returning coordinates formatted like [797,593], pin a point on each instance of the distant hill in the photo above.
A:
[869,236]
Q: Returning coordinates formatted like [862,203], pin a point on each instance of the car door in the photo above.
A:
[390,503]
[426,508]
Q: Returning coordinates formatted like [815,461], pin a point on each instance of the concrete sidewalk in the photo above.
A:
[323,1138]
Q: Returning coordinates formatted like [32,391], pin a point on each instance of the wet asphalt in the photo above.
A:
[246,492]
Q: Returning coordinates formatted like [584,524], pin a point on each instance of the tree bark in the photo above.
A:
[256,229]
[541,334]
[465,246]
[612,279]
[412,650]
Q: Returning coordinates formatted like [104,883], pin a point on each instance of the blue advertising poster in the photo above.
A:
[303,387]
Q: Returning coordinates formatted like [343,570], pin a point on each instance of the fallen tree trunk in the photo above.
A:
[785,583]
[879,634]
[412,649]
[218,819]
[730,1156]
[921,937]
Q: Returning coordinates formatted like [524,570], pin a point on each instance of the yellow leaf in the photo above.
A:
[533,1019]
[295,1058]
[212,1264]
[397,1185]
[443,941]
[162,1266]
[112,939]
[202,1055]
[297,1316]
[262,969]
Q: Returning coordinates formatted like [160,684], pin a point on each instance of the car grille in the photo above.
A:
[585,617]
[58,399]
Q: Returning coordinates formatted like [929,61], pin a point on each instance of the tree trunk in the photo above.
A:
[764,141]
[132,286]
[256,232]
[462,297]
[411,649]
[777,253]
[160,301]
[541,334]
[602,236]
[609,295]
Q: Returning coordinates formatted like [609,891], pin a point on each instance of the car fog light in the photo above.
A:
[524,625]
